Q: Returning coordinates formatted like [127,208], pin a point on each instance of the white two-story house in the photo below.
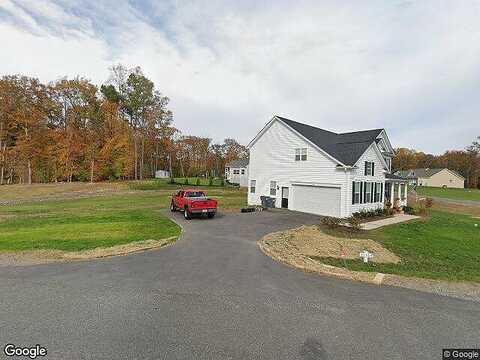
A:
[308,169]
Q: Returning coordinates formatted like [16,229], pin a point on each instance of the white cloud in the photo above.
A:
[229,66]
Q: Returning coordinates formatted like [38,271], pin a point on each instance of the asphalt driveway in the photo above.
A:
[214,295]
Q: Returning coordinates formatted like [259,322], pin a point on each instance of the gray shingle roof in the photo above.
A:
[239,163]
[345,147]
[422,173]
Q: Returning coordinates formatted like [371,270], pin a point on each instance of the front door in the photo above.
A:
[285,197]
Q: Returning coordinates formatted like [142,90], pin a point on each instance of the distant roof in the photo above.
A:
[345,147]
[239,163]
[424,172]
[395,177]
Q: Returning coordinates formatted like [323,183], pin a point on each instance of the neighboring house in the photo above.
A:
[312,170]
[236,172]
[441,177]
[162,174]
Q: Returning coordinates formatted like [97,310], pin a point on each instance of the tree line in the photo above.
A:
[466,162]
[73,130]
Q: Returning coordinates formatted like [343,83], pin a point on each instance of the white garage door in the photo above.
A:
[318,200]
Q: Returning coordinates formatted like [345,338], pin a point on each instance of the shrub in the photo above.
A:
[222,181]
[197,182]
[422,210]
[428,203]
[186,181]
[171,181]
[355,223]
[389,211]
[331,222]
[408,210]
[210,181]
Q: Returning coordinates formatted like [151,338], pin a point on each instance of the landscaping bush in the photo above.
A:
[331,222]
[408,210]
[365,214]
[171,181]
[422,209]
[186,181]
[197,182]
[210,181]
[428,203]
[355,223]
[222,182]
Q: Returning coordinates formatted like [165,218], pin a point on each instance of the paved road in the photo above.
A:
[214,295]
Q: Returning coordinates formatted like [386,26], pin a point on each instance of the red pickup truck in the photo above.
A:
[193,202]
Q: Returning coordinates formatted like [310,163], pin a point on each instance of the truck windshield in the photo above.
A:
[195,194]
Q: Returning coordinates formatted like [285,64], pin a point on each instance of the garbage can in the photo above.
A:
[267,202]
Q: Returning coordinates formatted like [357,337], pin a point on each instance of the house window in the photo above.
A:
[301,154]
[402,194]
[356,192]
[378,192]
[236,172]
[369,168]
[368,192]
[273,188]
[243,171]
[253,185]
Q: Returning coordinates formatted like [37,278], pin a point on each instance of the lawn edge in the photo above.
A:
[461,290]
[37,257]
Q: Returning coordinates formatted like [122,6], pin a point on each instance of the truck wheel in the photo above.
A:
[211,215]
[186,214]
[172,207]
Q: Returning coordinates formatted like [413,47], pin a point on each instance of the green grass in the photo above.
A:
[455,194]
[444,246]
[227,196]
[101,221]
[82,224]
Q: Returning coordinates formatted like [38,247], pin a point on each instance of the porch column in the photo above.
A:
[406,193]
[392,190]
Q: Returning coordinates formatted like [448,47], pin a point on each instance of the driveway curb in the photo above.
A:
[461,290]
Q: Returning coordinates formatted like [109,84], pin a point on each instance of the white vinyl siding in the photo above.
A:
[272,158]
[358,175]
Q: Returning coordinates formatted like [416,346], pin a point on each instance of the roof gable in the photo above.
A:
[346,148]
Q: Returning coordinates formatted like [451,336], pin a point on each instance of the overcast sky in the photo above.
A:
[412,67]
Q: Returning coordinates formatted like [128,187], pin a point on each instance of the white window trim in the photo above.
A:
[253,186]
[274,188]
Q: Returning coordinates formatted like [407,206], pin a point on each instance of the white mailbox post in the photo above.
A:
[365,255]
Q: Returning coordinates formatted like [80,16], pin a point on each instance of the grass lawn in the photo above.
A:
[124,215]
[444,246]
[455,194]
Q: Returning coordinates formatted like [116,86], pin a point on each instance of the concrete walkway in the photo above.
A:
[399,218]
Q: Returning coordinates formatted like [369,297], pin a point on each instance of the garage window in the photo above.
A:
[236,172]
[253,186]
[243,171]
[273,188]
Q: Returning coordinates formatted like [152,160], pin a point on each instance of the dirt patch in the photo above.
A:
[311,242]
[24,258]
